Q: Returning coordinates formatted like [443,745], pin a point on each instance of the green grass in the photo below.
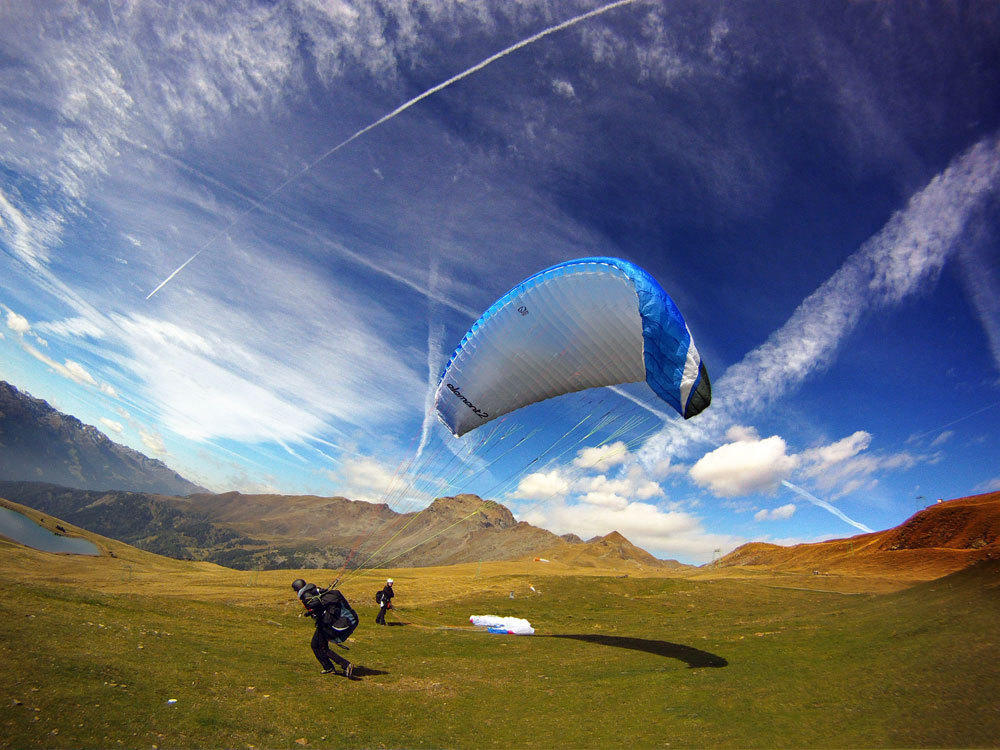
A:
[644,662]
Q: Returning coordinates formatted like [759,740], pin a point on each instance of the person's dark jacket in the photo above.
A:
[387,595]
[330,609]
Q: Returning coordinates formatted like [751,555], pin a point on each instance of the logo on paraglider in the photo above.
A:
[475,410]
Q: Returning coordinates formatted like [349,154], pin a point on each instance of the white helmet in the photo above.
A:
[389,581]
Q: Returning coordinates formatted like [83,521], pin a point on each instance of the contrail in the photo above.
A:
[435,345]
[182,265]
[826,506]
[402,108]
[435,337]
[344,251]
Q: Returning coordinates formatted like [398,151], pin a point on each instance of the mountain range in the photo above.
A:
[53,462]
[39,443]
[305,531]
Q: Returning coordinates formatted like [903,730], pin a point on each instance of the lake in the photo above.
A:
[22,529]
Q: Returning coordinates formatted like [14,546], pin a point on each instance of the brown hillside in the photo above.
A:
[463,528]
[938,540]
[610,551]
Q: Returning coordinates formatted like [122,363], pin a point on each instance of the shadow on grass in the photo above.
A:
[360,671]
[396,624]
[693,657]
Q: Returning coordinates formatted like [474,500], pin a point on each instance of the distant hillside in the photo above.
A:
[40,444]
[610,551]
[150,522]
[938,540]
[305,531]
[323,531]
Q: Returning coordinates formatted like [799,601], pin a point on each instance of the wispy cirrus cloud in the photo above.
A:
[909,251]
[898,261]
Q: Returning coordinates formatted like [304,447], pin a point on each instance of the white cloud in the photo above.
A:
[981,275]
[662,533]
[543,486]
[28,234]
[70,370]
[910,249]
[75,327]
[744,466]
[738,433]
[605,499]
[17,323]
[633,485]
[365,478]
[859,471]
[564,88]
[775,514]
[990,485]
[77,372]
[153,442]
[754,465]
[822,458]
[943,438]
[269,371]
[115,427]
[602,457]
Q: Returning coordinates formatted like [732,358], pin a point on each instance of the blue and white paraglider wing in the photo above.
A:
[581,324]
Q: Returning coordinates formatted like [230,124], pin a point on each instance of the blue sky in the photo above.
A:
[817,186]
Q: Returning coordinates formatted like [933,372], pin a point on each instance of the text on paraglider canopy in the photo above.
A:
[475,410]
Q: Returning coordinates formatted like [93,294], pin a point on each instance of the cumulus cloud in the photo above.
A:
[753,465]
[605,499]
[17,323]
[543,486]
[775,514]
[633,485]
[738,433]
[602,457]
[744,466]
[670,533]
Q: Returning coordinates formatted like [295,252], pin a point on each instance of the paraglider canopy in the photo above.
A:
[581,324]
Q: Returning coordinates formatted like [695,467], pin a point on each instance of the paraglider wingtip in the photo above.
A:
[701,396]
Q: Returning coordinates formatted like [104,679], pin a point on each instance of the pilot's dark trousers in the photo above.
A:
[326,656]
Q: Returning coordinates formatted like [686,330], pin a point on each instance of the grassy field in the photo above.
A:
[93,650]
